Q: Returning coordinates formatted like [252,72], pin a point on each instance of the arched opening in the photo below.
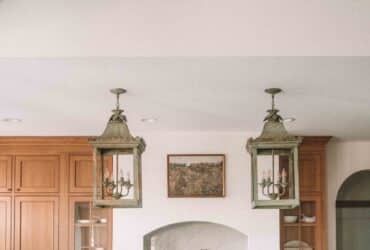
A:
[353,212]
[195,235]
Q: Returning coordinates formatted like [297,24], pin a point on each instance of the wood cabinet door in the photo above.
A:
[37,173]
[5,223]
[310,171]
[36,223]
[5,174]
[81,174]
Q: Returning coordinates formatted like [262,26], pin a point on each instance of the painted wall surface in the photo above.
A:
[343,159]
[261,226]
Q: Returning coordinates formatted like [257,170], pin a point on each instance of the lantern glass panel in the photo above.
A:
[275,174]
[118,175]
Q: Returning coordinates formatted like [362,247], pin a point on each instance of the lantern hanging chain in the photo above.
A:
[273,102]
[117,101]
[273,171]
[117,166]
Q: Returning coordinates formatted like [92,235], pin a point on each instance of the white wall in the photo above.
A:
[261,226]
[343,159]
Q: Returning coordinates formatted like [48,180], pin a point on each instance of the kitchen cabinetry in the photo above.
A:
[40,177]
[309,234]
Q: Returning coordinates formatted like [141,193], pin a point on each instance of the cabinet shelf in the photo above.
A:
[301,224]
[93,248]
[90,224]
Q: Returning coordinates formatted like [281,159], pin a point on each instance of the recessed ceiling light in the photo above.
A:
[149,120]
[11,119]
[289,119]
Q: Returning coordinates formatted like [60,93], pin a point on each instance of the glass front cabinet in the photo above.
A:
[91,227]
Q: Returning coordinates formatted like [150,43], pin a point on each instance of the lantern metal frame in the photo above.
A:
[116,138]
[275,137]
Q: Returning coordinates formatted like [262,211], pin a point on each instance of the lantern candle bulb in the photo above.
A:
[269,175]
[121,175]
[283,176]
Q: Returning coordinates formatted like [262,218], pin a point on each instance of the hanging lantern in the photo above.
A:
[117,163]
[274,163]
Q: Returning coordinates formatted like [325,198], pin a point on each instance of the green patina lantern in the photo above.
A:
[274,163]
[117,163]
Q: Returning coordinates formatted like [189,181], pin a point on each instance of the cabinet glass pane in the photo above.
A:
[91,227]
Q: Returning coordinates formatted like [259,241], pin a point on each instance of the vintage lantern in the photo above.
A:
[274,163]
[117,163]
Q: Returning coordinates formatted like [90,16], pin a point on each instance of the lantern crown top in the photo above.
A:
[117,131]
[274,130]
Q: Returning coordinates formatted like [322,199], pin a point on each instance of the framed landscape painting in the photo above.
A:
[196,175]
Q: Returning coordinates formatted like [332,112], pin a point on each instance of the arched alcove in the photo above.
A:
[353,212]
[195,235]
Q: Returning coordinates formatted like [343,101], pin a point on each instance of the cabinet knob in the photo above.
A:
[18,189]
[9,189]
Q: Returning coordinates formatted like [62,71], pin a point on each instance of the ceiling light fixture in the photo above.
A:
[274,162]
[149,120]
[11,119]
[289,119]
[117,162]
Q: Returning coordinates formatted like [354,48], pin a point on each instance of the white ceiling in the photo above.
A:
[327,95]
[68,28]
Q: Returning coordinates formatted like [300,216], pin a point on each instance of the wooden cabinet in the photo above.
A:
[80,174]
[36,223]
[312,195]
[5,223]
[5,174]
[37,173]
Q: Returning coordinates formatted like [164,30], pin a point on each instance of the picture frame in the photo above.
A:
[196,175]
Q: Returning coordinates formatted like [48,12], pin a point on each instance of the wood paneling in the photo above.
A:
[36,223]
[37,173]
[5,173]
[5,223]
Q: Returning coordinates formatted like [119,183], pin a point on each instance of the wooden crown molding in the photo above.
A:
[44,140]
